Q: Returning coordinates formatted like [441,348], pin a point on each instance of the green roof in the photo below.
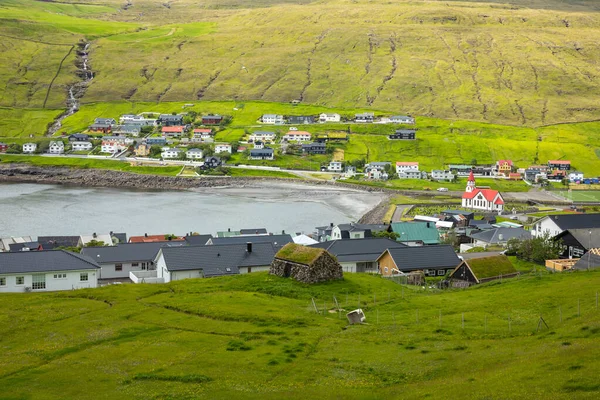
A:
[491,267]
[415,231]
[299,254]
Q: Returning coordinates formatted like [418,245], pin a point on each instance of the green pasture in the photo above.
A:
[581,195]
[258,336]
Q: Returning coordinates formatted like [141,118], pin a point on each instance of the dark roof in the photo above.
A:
[263,151]
[575,221]
[256,231]
[590,260]
[493,236]
[457,212]
[364,227]
[358,250]
[412,258]
[216,260]
[125,252]
[170,117]
[43,261]
[26,245]
[197,240]
[51,242]
[584,237]
[121,236]
[277,240]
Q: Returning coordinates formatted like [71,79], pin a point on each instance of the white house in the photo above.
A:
[481,199]
[298,136]
[171,153]
[442,175]
[56,147]
[402,166]
[335,166]
[223,148]
[129,119]
[402,119]
[263,136]
[81,146]
[377,170]
[84,240]
[326,117]
[42,271]
[194,154]
[29,147]
[412,174]
[110,146]
[366,117]
[555,224]
[274,119]
[119,139]
[575,176]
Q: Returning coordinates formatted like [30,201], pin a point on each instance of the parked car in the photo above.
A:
[442,189]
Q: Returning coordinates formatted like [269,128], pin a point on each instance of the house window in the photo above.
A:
[441,272]
[60,276]
[385,270]
[20,280]
[135,264]
[118,267]
[38,282]
[144,266]
[83,277]
[3,281]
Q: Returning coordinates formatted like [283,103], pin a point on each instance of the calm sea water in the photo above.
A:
[37,209]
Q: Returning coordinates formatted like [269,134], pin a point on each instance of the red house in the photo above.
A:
[3,147]
[173,131]
[211,119]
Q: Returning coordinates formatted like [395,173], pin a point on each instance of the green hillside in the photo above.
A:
[528,63]
[258,336]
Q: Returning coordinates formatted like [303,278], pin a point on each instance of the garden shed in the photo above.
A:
[306,264]
[481,270]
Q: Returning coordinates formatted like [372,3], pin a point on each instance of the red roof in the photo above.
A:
[407,163]
[509,162]
[559,162]
[471,176]
[172,129]
[489,194]
[203,130]
[499,201]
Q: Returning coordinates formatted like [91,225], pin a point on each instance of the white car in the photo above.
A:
[442,189]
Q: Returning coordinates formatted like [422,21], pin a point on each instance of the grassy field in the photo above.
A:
[581,195]
[257,336]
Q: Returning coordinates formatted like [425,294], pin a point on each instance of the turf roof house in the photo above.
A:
[26,271]
[177,263]
[432,260]
[306,264]
[481,199]
[480,270]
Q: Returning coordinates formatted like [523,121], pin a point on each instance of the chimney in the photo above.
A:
[331,224]
[228,229]
[249,247]
[145,235]
[94,235]
[283,232]
[111,233]
[428,224]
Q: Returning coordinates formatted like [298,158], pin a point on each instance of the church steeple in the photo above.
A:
[470,183]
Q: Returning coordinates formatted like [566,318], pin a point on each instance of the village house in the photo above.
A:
[116,262]
[29,148]
[479,270]
[412,174]
[416,233]
[223,148]
[503,167]
[350,171]
[266,153]
[259,145]
[301,119]
[358,255]
[171,153]
[431,260]
[460,170]
[119,139]
[142,150]
[194,154]
[273,119]
[173,131]
[3,147]
[212,119]
[103,125]
[367,117]
[481,199]
[483,170]
[56,147]
[326,117]
[442,175]
[113,146]
[263,136]
[536,173]
[81,146]
[403,166]
[129,129]
[170,120]
[305,264]
[403,134]
[42,271]
[177,263]
[197,240]
[79,137]
[562,165]
[159,141]
[557,175]
[52,242]
[106,239]
[575,176]
[498,236]
[356,231]
[553,225]
[314,148]
[277,241]
[25,246]
[377,170]
[139,120]
[211,162]
[204,134]
[577,242]
[155,238]
[335,166]
[402,119]
[298,136]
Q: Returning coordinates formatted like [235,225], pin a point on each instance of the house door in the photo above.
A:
[287,271]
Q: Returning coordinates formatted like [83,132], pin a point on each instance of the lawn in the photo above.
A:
[581,195]
[196,338]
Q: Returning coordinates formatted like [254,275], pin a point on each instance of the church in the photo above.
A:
[481,199]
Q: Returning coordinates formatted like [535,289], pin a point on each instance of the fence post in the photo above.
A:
[346,297]
[315,305]
[359,300]
[377,316]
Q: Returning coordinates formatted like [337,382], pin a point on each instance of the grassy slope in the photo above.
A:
[255,336]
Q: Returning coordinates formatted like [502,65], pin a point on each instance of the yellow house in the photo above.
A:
[431,260]
[142,150]
[504,167]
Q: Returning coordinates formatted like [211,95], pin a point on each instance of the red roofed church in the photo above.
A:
[481,199]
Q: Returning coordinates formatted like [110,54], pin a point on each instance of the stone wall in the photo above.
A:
[323,269]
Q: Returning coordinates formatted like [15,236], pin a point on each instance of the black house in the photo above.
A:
[79,137]
[211,162]
[404,134]
[301,119]
[314,148]
[577,242]
[170,120]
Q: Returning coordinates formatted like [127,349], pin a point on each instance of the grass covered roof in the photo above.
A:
[299,254]
[489,267]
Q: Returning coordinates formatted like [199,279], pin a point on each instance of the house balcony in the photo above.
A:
[145,277]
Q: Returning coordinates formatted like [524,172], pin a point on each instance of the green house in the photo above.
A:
[416,233]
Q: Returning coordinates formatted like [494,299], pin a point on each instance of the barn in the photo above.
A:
[306,264]
[481,270]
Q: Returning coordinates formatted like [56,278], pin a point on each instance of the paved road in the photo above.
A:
[399,211]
